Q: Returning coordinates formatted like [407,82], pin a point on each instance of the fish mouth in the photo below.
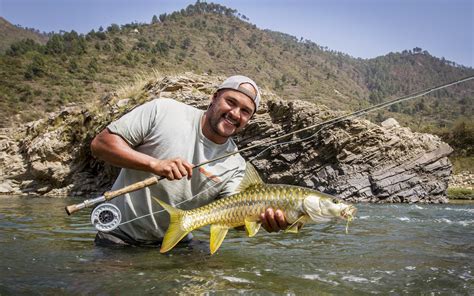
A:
[348,213]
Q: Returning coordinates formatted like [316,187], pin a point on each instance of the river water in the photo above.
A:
[390,249]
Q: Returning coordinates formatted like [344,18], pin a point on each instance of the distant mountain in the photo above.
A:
[211,38]
[10,34]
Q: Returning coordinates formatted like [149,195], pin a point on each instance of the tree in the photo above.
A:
[420,106]
[37,68]
[161,47]
[73,66]
[380,117]
[118,44]
[186,43]
[101,35]
[374,97]
[93,66]
[394,108]
[22,47]
[278,85]
[106,47]
[172,43]
[55,44]
[142,44]
[154,19]
[163,17]
[113,28]
[252,42]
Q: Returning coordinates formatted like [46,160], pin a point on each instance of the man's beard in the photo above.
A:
[214,122]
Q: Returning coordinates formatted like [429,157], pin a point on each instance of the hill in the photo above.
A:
[10,34]
[211,38]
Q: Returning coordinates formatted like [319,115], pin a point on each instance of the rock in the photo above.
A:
[123,103]
[356,160]
[464,179]
[353,159]
[389,123]
[6,188]
[43,190]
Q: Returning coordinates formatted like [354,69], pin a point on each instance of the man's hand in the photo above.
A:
[172,169]
[273,221]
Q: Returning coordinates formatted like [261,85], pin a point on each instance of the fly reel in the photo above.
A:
[106,217]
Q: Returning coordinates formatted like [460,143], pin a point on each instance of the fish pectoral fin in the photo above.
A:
[218,233]
[296,226]
[252,227]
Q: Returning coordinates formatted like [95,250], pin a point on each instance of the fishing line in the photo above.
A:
[322,125]
[251,159]
[192,197]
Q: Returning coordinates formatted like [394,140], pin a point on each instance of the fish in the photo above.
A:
[300,205]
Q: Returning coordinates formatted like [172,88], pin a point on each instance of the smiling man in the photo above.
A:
[164,137]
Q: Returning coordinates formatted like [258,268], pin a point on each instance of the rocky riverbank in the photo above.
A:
[355,159]
[463,179]
[461,186]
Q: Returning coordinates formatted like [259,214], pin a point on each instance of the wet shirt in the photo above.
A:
[164,129]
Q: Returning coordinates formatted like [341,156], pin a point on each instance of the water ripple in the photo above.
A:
[390,249]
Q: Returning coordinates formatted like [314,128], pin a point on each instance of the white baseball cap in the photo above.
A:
[235,82]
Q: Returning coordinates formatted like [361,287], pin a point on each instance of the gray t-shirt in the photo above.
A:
[164,129]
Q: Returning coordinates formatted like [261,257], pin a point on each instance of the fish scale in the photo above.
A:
[299,205]
[232,211]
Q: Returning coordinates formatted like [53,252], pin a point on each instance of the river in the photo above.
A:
[390,249]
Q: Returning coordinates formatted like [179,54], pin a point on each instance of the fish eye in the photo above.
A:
[335,200]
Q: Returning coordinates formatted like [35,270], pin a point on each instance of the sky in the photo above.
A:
[360,28]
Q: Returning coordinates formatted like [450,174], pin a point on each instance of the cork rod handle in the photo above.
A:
[130,188]
[111,194]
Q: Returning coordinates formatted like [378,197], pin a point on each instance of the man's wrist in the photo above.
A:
[153,165]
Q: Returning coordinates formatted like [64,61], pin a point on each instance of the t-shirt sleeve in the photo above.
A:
[136,125]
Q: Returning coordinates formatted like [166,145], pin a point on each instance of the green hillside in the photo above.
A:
[10,34]
[210,38]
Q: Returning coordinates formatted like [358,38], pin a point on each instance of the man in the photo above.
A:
[164,137]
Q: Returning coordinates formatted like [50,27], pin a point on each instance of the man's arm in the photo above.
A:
[113,149]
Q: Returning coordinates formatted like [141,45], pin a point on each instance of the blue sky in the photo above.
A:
[360,28]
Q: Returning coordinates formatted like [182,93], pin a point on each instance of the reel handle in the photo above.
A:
[71,209]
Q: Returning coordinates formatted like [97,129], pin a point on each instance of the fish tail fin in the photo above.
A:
[176,230]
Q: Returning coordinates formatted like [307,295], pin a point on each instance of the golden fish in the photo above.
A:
[299,205]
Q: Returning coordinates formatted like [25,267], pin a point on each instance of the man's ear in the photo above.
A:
[214,97]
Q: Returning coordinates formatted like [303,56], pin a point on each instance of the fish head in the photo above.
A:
[322,207]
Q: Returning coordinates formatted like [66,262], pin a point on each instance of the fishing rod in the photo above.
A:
[155,179]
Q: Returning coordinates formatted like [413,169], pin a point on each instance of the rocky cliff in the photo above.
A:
[354,159]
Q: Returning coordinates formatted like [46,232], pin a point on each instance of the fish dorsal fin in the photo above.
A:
[251,178]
